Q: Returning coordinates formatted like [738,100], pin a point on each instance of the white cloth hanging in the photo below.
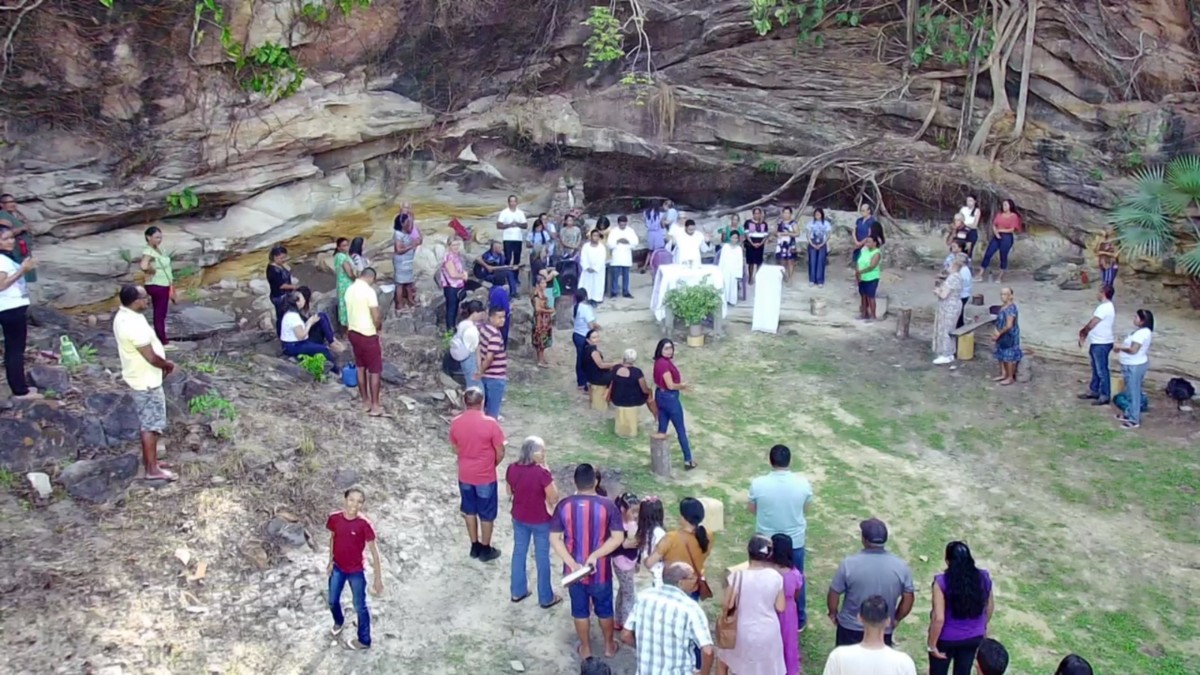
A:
[732,266]
[593,282]
[768,293]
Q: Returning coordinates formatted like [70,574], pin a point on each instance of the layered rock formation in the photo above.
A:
[110,111]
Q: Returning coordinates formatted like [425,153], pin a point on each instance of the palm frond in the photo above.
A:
[1143,243]
[1183,176]
[1189,263]
[1135,216]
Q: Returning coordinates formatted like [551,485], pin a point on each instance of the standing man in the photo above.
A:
[363,325]
[586,529]
[621,241]
[667,626]
[873,655]
[862,229]
[778,501]
[493,361]
[870,572]
[24,248]
[143,366]
[1098,333]
[479,443]
[512,223]
[349,534]
[991,658]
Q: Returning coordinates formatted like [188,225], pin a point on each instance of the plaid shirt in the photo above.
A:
[667,624]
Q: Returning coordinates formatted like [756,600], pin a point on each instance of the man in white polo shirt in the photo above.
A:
[143,366]
[511,223]
[1098,333]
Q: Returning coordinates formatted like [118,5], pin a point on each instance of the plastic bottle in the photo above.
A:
[67,354]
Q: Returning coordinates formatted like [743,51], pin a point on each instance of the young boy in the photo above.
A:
[349,534]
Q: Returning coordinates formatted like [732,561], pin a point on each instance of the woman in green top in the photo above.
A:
[343,267]
[159,280]
[867,274]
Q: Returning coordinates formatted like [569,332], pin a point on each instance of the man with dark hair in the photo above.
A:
[621,241]
[594,666]
[349,534]
[778,501]
[585,530]
[1098,334]
[992,658]
[1073,664]
[363,323]
[863,228]
[493,364]
[12,216]
[512,223]
[871,572]
[143,365]
[874,655]
[479,442]
[667,626]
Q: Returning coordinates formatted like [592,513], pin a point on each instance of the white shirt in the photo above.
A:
[288,325]
[970,216]
[465,341]
[858,660]
[512,217]
[16,295]
[671,218]
[688,247]
[965,275]
[622,254]
[1142,336]
[1102,332]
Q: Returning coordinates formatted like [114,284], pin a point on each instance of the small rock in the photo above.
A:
[218,480]
[259,286]
[50,378]
[92,320]
[408,402]
[517,666]
[41,483]
[345,478]
[288,533]
[99,480]
[392,374]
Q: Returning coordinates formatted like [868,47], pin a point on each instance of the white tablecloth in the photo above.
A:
[670,276]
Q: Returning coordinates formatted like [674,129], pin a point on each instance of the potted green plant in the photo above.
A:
[693,304]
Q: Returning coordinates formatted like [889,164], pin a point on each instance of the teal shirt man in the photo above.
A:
[778,501]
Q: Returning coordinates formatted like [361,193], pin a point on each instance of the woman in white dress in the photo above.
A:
[591,260]
[732,265]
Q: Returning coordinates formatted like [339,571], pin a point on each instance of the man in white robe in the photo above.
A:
[689,245]
[732,265]
[592,257]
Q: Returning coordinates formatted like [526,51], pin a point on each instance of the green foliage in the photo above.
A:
[107,4]
[212,403]
[1157,216]
[191,295]
[187,272]
[7,479]
[182,201]
[1096,175]
[640,83]
[268,69]
[947,37]
[693,303]
[606,43]
[767,15]
[87,356]
[314,365]
[768,166]
[207,366]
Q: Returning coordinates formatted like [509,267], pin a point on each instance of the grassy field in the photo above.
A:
[1092,534]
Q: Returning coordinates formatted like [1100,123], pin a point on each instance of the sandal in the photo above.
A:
[336,630]
[355,645]
[688,466]
[556,601]
[522,597]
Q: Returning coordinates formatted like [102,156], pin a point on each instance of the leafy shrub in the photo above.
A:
[693,303]
[315,365]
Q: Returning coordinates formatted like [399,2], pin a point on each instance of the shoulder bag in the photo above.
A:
[727,622]
[702,586]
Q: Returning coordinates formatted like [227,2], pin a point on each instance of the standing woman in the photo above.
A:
[464,346]
[452,277]
[970,220]
[757,231]
[656,236]
[14,311]
[540,240]
[819,229]
[585,321]
[592,260]
[281,282]
[666,397]
[867,273]
[1005,226]
[160,280]
[949,309]
[344,269]
[757,594]
[1133,354]
[357,256]
[962,607]
[405,240]
[786,251]
[793,582]
[543,318]
[533,499]
[1008,338]
[690,543]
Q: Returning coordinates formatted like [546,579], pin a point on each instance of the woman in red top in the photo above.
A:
[666,397]
[1005,226]
[533,499]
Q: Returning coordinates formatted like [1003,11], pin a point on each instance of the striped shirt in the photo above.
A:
[667,624]
[585,522]
[492,342]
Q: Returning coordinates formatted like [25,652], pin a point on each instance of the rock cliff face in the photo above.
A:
[109,111]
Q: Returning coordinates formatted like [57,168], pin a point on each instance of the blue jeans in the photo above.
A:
[451,296]
[1001,243]
[502,277]
[493,395]
[817,258]
[1134,375]
[519,585]
[614,273]
[580,343]
[670,410]
[1100,378]
[802,601]
[309,348]
[358,590]
[470,371]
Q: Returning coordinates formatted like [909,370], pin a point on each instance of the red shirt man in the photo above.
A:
[350,533]
[478,441]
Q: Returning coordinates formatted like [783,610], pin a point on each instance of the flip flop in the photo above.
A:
[336,630]
[556,601]
[515,600]
[165,476]
[355,646]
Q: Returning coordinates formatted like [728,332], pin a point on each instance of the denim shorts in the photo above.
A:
[588,599]
[479,500]
[868,288]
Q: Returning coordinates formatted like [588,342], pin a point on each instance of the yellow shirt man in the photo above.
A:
[360,300]
[132,331]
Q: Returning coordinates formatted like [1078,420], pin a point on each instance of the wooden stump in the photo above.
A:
[660,457]
[816,306]
[903,319]
[599,397]
[625,423]
[977,300]
[1025,369]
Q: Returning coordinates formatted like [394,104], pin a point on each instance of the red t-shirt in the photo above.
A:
[528,483]
[661,367]
[477,438]
[350,538]
[1006,222]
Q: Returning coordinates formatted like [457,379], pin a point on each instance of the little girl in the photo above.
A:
[625,560]
[789,618]
[650,533]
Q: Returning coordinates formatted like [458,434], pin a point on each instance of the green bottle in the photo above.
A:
[67,354]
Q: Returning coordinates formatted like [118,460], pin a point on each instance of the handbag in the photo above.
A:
[702,586]
[727,622]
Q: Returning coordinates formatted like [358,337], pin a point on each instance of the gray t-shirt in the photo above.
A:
[866,573]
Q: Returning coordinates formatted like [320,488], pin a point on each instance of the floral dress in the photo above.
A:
[343,282]
[1008,346]
[946,318]
[543,322]
[787,240]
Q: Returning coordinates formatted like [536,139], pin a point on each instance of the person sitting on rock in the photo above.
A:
[303,335]
[493,268]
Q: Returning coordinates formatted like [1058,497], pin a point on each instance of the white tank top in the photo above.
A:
[970,217]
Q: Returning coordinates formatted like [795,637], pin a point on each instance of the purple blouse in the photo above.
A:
[957,628]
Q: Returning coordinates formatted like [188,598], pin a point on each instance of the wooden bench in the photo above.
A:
[965,336]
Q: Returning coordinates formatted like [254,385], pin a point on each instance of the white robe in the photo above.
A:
[733,261]
[592,282]
[689,248]
[768,293]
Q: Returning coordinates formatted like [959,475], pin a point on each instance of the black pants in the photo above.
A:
[512,253]
[960,657]
[16,331]
[847,636]
[969,244]
[962,313]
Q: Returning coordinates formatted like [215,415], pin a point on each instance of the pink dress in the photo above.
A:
[789,621]
[759,649]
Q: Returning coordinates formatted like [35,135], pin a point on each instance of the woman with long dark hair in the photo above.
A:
[159,280]
[357,256]
[666,397]
[690,543]
[819,230]
[14,312]
[757,233]
[281,282]
[1073,664]
[1005,226]
[464,346]
[1133,355]
[962,607]
[303,333]
[585,321]
[345,274]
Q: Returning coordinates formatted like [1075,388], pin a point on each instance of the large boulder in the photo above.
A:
[99,480]
[117,414]
[196,322]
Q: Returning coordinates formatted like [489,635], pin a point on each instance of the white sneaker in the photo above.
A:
[943,360]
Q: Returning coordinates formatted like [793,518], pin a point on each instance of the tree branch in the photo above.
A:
[1026,64]
[814,164]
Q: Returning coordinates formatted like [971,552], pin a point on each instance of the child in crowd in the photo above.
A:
[625,560]
[789,618]
[650,532]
